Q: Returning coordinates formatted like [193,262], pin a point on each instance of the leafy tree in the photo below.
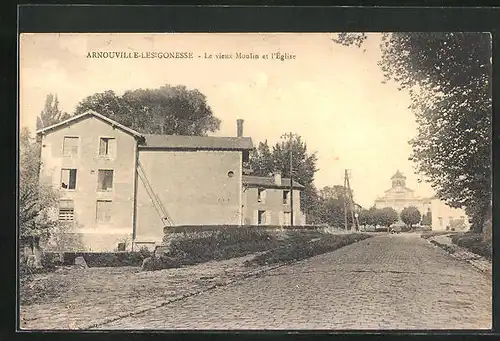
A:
[261,160]
[168,110]
[334,192]
[51,114]
[303,165]
[36,200]
[448,77]
[410,216]
[386,216]
[369,217]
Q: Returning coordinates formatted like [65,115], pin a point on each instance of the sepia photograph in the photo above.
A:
[255,181]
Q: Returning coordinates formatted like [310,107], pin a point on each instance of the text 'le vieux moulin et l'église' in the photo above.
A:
[189,55]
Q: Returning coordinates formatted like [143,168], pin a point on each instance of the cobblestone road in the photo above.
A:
[385,282]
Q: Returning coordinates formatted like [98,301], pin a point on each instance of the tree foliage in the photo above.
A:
[168,110]
[386,216]
[448,77]
[36,200]
[263,161]
[410,216]
[51,113]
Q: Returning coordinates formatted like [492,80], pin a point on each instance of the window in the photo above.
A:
[286,195]
[105,180]
[103,211]
[70,146]
[261,195]
[261,217]
[107,146]
[66,210]
[68,178]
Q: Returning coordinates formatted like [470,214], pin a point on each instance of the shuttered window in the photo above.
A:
[103,211]
[70,146]
[66,211]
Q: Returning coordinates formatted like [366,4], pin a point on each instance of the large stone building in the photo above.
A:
[399,196]
[117,184]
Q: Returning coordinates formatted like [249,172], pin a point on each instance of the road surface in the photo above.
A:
[385,282]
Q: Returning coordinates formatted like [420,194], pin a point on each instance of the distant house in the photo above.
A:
[116,183]
[267,201]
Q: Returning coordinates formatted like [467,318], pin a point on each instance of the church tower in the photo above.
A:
[398,180]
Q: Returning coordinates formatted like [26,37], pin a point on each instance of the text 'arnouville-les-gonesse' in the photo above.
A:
[189,55]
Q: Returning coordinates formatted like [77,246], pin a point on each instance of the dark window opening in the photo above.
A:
[68,178]
[286,197]
[261,217]
[106,146]
[105,180]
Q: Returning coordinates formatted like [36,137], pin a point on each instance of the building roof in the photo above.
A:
[398,175]
[85,114]
[196,142]
[152,141]
[268,181]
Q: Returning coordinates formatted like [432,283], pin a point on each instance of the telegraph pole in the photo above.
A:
[345,200]
[291,186]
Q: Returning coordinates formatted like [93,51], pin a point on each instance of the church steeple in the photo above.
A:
[398,180]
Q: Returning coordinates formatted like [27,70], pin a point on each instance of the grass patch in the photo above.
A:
[475,243]
[302,248]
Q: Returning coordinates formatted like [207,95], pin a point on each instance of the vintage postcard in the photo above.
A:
[267,181]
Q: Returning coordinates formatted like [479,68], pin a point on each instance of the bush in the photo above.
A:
[302,249]
[154,263]
[100,259]
[193,248]
[475,243]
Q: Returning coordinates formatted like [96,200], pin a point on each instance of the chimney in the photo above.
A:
[239,127]
[277,178]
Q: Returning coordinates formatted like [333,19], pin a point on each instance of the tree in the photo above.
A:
[51,114]
[303,165]
[168,110]
[36,200]
[261,160]
[448,77]
[410,216]
[369,217]
[335,192]
[386,216]
[264,162]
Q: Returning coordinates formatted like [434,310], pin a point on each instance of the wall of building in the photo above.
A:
[444,215]
[96,237]
[273,205]
[193,186]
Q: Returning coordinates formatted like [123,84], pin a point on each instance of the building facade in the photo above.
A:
[118,185]
[442,216]
[268,201]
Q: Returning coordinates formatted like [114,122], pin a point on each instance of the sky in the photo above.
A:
[329,94]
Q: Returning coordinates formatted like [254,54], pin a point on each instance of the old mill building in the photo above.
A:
[399,197]
[117,184]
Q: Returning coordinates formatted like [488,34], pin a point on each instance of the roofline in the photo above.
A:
[191,148]
[113,123]
[253,185]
